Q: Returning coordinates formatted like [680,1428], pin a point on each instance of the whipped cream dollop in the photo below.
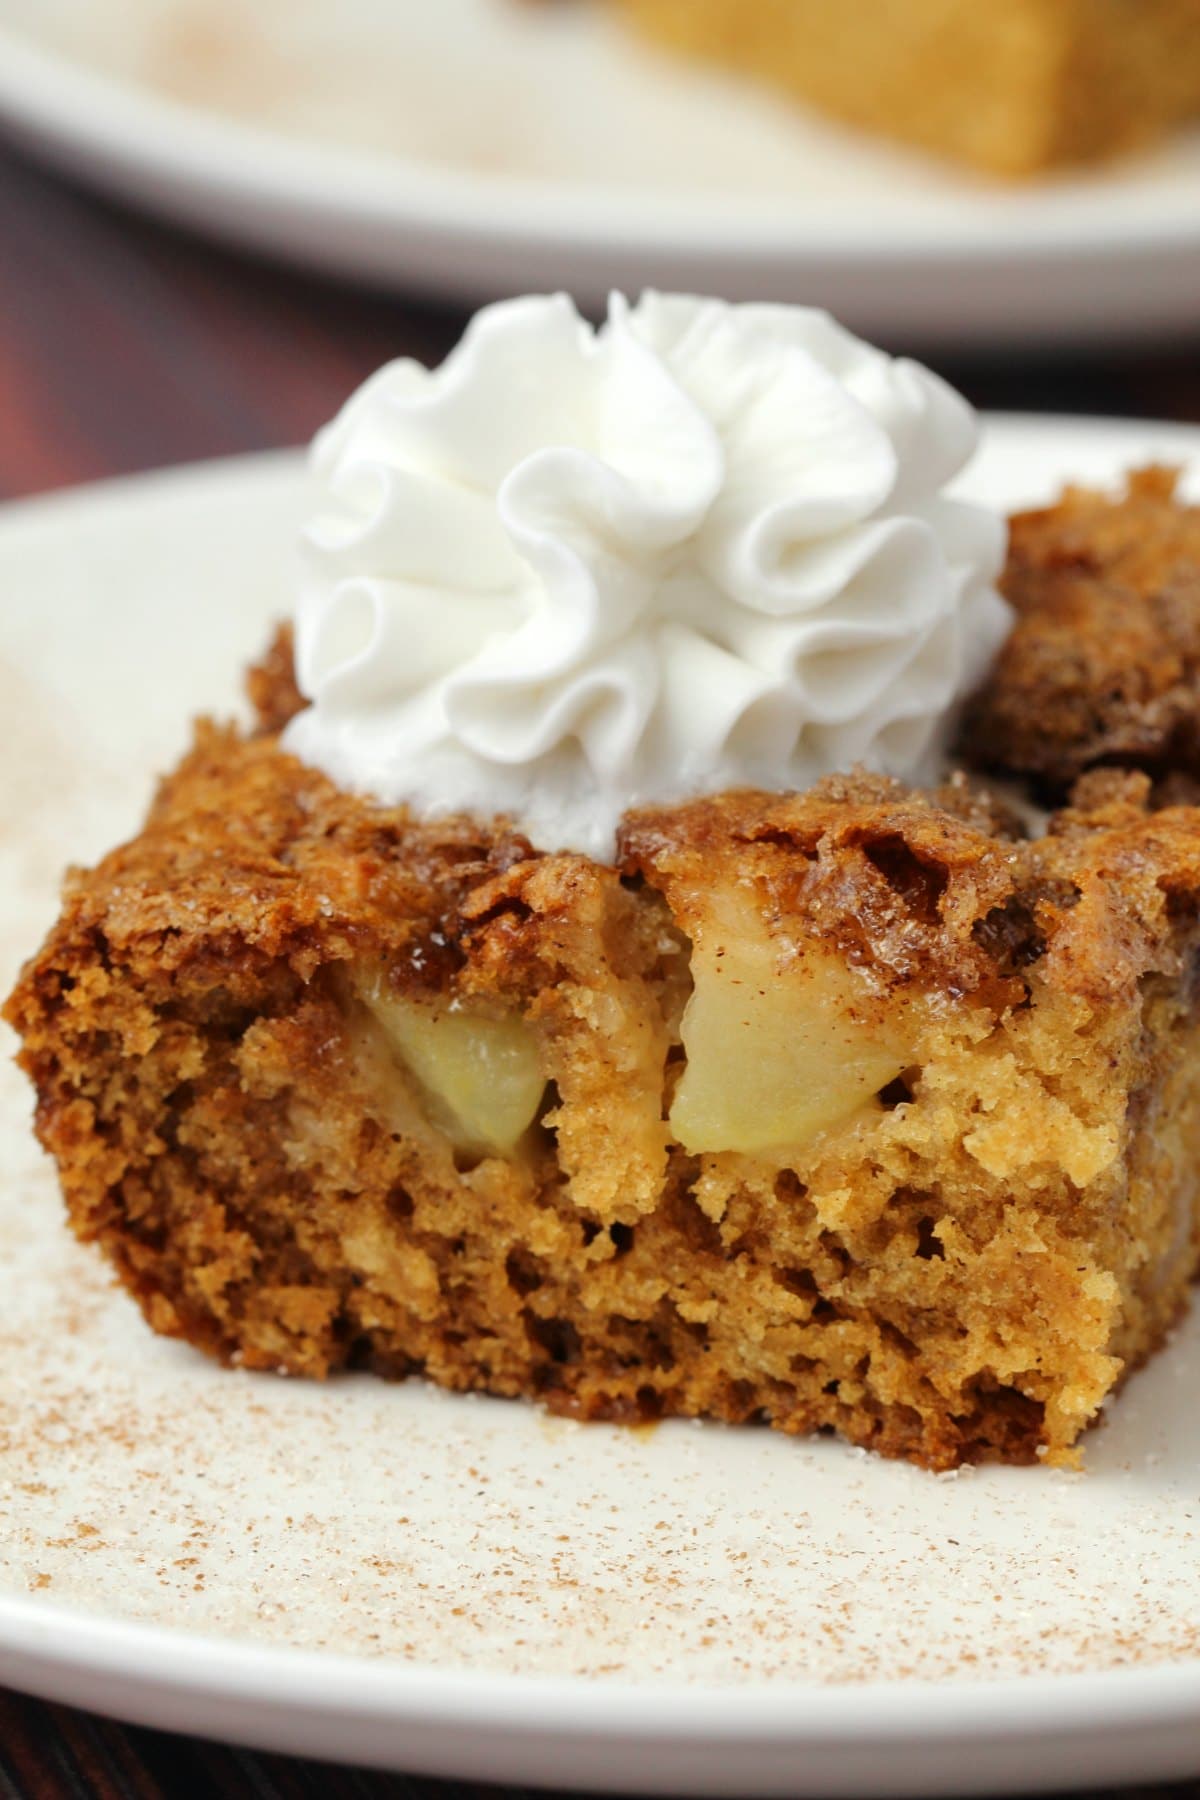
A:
[573,570]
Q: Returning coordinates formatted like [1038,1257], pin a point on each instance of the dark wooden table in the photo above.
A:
[124,345]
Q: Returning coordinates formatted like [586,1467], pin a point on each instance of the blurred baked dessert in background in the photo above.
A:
[1010,86]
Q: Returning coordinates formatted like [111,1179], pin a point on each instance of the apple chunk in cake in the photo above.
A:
[845,1110]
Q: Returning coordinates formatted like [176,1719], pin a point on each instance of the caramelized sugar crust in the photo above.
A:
[955,1263]
[1104,664]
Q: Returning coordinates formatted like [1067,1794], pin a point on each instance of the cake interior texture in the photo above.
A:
[857,1109]
[1011,88]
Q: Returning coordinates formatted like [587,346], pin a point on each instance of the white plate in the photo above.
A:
[462,1586]
[476,147]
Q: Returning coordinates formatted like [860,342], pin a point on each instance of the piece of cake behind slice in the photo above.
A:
[1103,665]
[1013,88]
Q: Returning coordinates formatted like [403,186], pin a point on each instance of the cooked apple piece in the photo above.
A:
[478,1075]
[783,1040]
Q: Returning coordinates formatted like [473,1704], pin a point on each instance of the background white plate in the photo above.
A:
[475,147]
[462,1586]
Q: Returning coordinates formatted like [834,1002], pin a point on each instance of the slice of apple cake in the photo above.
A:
[536,1000]
[854,1109]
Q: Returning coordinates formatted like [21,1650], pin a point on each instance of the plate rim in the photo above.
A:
[47,94]
[891,1712]
[289,460]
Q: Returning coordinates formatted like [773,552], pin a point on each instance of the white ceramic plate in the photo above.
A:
[476,147]
[462,1586]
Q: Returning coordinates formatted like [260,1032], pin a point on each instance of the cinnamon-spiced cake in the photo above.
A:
[843,1101]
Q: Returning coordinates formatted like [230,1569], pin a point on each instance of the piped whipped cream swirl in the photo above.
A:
[573,570]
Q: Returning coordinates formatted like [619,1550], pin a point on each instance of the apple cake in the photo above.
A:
[1012,88]
[592,976]
[854,1109]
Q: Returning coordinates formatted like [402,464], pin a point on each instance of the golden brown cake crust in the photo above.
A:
[895,878]
[1104,663]
[271,683]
